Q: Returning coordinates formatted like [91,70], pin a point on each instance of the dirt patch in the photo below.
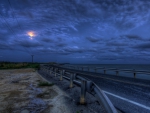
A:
[19,92]
[11,94]
[48,94]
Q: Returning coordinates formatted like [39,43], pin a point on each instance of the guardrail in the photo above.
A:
[135,72]
[85,84]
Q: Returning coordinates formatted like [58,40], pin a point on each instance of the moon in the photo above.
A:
[31,34]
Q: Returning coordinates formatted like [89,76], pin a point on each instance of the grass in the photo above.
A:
[77,112]
[41,95]
[45,84]
[9,65]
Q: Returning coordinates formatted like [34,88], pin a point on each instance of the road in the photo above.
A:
[129,98]
[127,94]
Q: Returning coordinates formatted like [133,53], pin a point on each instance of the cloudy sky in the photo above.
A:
[75,31]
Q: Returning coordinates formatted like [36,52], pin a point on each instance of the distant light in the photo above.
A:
[31,34]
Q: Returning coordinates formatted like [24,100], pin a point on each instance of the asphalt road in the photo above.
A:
[129,98]
[127,94]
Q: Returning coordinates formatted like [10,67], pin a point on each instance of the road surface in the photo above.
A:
[129,95]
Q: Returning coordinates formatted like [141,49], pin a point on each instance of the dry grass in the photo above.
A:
[45,84]
[17,87]
[20,91]
[7,65]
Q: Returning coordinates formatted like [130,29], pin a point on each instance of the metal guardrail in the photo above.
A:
[85,84]
[135,72]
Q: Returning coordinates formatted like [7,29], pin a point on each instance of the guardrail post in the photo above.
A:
[134,73]
[88,68]
[83,92]
[88,86]
[41,68]
[95,70]
[71,80]
[55,72]
[48,70]
[104,71]
[51,69]
[117,72]
[44,69]
[61,74]
[82,68]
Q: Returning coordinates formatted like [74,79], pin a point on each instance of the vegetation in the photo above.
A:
[41,95]
[45,84]
[10,65]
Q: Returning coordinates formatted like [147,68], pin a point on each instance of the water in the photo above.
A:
[137,67]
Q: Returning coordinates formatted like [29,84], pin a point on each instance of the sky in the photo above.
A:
[75,31]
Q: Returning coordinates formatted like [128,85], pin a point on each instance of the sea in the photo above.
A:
[136,67]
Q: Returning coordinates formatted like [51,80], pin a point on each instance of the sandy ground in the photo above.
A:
[20,93]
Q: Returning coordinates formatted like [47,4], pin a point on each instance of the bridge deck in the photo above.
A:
[128,94]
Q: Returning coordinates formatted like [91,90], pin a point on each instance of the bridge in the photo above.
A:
[117,93]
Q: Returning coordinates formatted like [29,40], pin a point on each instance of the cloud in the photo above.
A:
[73,49]
[74,27]
[26,14]
[47,50]
[92,39]
[47,40]
[29,44]
[117,50]
[143,46]
[134,37]
[4,46]
[92,50]
[5,34]
[124,58]
[116,44]
[61,44]
[3,37]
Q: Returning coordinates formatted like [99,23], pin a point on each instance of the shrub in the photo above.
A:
[6,65]
[45,84]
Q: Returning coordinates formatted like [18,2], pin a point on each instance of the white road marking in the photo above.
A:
[138,104]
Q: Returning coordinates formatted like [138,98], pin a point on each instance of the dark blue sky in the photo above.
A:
[75,31]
